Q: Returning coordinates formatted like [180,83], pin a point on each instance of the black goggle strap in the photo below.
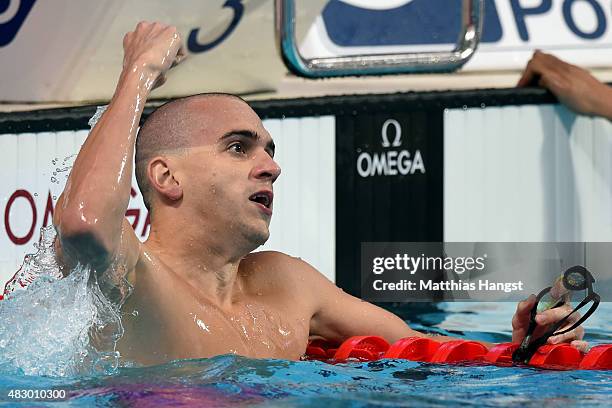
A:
[591,297]
[528,349]
[522,353]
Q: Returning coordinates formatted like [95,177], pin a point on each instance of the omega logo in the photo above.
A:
[390,162]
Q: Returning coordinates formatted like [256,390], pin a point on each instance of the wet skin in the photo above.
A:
[199,290]
[181,306]
[266,318]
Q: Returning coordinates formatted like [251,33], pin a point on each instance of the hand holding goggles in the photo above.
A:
[576,278]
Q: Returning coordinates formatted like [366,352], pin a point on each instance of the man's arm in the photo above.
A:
[574,86]
[338,315]
[89,215]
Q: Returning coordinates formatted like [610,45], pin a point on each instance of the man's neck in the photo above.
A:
[208,266]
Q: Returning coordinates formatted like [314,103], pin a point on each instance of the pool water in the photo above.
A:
[234,381]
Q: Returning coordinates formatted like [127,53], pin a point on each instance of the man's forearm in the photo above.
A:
[604,108]
[98,189]
[89,216]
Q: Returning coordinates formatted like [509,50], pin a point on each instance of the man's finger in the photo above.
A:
[159,81]
[181,55]
[526,304]
[534,69]
[552,63]
[520,320]
[528,76]
[572,335]
[575,334]
[126,39]
[541,65]
[552,81]
[562,338]
[581,345]
[554,315]
[143,25]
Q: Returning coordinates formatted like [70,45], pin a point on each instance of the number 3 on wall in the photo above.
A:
[192,42]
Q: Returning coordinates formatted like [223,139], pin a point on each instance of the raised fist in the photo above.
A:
[153,48]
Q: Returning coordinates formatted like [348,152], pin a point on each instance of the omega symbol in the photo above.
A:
[398,133]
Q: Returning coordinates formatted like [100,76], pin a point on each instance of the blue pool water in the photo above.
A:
[232,381]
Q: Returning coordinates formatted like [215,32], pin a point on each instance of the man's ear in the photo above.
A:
[163,178]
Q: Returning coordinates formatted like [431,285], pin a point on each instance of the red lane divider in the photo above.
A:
[367,348]
[459,350]
[413,348]
[556,356]
[321,350]
[501,354]
[371,348]
[598,358]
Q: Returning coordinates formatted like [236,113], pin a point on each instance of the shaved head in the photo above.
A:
[169,130]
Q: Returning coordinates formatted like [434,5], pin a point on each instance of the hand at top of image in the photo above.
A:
[574,86]
[154,48]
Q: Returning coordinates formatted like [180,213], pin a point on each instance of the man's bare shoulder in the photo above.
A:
[272,257]
[273,264]
[288,271]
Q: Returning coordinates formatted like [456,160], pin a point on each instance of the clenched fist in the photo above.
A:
[152,49]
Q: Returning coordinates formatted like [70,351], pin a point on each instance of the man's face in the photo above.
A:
[228,174]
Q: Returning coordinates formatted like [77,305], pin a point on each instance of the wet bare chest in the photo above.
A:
[163,330]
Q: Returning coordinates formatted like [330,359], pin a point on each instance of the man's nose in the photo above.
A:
[266,168]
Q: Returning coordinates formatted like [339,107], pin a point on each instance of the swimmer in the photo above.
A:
[205,166]
[572,85]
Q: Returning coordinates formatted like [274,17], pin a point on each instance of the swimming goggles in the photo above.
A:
[577,278]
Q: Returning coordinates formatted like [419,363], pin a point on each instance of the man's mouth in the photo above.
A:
[263,198]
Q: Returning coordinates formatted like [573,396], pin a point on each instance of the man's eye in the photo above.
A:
[237,147]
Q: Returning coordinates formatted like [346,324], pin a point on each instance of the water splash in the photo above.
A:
[61,326]
[56,326]
[96,117]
